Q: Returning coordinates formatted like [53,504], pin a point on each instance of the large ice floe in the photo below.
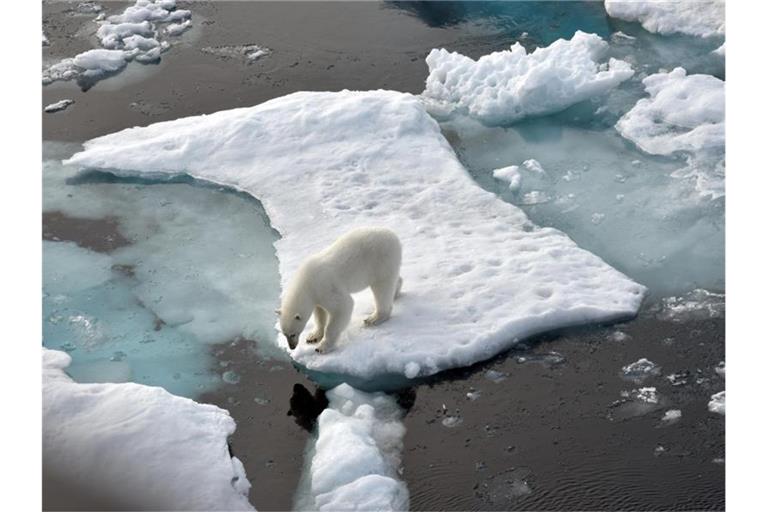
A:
[137,447]
[478,275]
[354,461]
[684,114]
[693,17]
[134,34]
[506,86]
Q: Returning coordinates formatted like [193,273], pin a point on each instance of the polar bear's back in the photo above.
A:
[364,256]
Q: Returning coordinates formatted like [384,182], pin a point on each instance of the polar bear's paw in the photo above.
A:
[374,319]
[314,338]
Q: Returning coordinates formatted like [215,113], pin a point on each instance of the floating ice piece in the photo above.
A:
[534,166]
[175,29]
[248,52]
[506,86]
[46,42]
[717,403]
[137,446]
[640,370]
[696,305]
[355,461]
[647,395]
[672,416]
[720,369]
[58,106]
[324,163]
[697,18]
[511,175]
[685,113]
[636,402]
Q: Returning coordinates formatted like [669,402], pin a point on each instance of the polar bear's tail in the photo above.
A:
[399,286]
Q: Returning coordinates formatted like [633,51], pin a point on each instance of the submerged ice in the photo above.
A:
[183,266]
[478,275]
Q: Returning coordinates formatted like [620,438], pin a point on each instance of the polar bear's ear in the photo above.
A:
[278,312]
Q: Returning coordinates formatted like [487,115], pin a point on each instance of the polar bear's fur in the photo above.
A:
[325,282]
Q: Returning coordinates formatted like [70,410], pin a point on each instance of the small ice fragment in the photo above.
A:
[640,370]
[473,395]
[597,218]
[509,174]
[659,450]
[261,401]
[495,376]
[672,416]
[58,106]
[68,347]
[679,378]
[720,369]
[647,395]
[230,377]
[176,29]
[717,403]
[534,166]
[620,197]
[719,460]
[452,421]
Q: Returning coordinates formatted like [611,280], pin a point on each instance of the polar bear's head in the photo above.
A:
[294,314]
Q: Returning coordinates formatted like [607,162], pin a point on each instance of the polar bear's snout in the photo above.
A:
[293,340]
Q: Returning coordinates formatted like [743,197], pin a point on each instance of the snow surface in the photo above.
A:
[478,276]
[138,446]
[355,460]
[130,35]
[717,403]
[58,106]
[506,86]
[697,18]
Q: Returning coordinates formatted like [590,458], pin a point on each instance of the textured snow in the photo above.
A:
[717,403]
[506,86]
[697,18]
[355,461]
[478,276]
[685,113]
[58,106]
[138,446]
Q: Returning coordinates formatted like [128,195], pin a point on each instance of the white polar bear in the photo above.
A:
[325,282]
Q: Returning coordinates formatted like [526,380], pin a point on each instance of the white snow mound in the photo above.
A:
[506,86]
[478,276]
[357,455]
[685,113]
[692,17]
[138,446]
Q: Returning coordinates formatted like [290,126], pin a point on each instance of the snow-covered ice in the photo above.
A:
[506,86]
[478,275]
[354,463]
[133,34]
[717,403]
[58,106]
[692,17]
[138,447]
[685,113]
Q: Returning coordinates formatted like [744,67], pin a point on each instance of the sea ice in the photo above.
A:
[697,18]
[640,370]
[506,86]
[58,106]
[354,464]
[685,113]
[717,403]
[478,276]
[138,447]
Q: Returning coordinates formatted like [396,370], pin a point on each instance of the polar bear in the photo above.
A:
[325,282]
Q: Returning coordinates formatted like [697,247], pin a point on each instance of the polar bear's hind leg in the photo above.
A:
[383,295]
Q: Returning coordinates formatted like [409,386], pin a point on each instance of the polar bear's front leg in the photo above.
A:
[340,314]
[321,319]
[383,295]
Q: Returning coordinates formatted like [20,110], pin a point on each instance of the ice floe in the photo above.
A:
[354,464]
[686,114]
[640,370]
[697,18]
[133,34]
[478,276]
[717,403]
[58,106]
[506,86]
[138,447]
